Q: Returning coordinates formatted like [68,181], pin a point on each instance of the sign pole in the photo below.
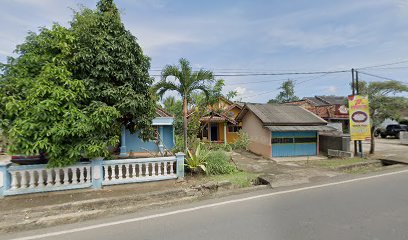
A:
[353,85]
[360,143]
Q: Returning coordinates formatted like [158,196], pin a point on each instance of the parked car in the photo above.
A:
[393,130]
[29,160]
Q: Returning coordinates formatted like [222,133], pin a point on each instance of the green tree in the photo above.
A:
[186,82]
[43,108]
[287,94]
[384,102]
[175,107]
[70,90]
[112,65]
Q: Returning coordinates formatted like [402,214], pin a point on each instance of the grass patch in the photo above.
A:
[239,179]
[335,162]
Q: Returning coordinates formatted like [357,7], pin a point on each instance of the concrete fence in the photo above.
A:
[403,137]
[333,142]
[23,179]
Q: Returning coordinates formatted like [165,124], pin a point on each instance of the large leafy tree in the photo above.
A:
[287,93]
[71,89]
[43,108]
[112,65]
[384,102]
[186,82]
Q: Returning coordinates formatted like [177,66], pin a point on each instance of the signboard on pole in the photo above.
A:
[359,115]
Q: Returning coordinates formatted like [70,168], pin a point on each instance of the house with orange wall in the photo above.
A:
[219,125]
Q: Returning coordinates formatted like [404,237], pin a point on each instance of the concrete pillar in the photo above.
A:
[97,172]
[4,178]
[123,152]
[225,133]
[180,164]
[161,143]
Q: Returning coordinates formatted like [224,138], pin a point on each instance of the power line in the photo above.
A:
[272,74]
[266,81]
[383,65]
[377,76]
[307,80]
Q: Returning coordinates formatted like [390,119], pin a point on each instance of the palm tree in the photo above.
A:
[186,82]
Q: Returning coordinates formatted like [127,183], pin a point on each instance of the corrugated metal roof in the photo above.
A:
[275,114]
[333,99]
[162,113]
[300,128]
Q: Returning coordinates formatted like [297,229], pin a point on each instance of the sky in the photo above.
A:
[233,37]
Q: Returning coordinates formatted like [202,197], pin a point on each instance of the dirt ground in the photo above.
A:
[280,174]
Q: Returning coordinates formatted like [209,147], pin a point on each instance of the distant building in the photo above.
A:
[134,146]
[277,130]
[219,125]
[333,109]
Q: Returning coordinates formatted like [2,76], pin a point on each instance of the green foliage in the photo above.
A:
[197,160]
[178,144]
[239,179]
[231,94]
[218,162]
[287,94]
[112,65]
[242,142]
[217,146]
[45,109]
[383,99]
[186,83]
[175,107]
[384,102]
[71,89]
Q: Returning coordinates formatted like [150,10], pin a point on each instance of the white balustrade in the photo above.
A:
[139,170]
[38,178]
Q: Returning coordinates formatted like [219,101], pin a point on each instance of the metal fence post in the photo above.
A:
[4,178]
[180,164]
[97,172]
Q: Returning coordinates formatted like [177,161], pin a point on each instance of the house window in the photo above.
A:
[234,128]
[230,114]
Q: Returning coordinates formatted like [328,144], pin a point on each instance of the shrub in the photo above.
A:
[196,160]
[218,162]
[242,142]
[178,145]
[217,146]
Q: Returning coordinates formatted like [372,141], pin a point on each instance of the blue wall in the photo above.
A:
[135,144]
[294,149]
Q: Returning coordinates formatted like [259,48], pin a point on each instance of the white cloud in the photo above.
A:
[331,90]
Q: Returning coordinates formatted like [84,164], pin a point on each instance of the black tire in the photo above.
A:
[397,136]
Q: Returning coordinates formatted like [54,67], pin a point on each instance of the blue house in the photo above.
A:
[132,145]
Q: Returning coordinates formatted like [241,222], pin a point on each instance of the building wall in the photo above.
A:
[134,144]
[260,137]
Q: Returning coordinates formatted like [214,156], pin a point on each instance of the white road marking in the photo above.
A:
[138,219]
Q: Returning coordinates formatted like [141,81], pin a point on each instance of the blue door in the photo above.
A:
[288,144]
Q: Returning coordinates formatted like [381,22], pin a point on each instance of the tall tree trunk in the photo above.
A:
[372,145]
[185,125]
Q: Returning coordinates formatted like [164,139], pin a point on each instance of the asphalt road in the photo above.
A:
[368,208]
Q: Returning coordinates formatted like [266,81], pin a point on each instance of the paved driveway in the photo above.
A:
[389,148]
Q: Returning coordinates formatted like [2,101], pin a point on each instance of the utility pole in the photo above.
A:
[360,143]
[353,87]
